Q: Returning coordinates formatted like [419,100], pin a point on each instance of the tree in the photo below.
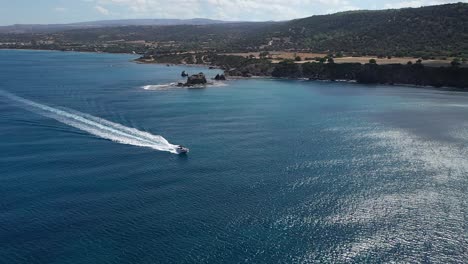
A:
[322,60]
[410,63]
[455,62]
[297,58]
[264,54]
[419,61]
[331,60]
[372,61]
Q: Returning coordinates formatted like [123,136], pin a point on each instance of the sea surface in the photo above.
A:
[279,171]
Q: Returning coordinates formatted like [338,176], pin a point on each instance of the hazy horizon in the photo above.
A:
[66,12]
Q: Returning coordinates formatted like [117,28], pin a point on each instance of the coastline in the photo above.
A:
[175,64]
[138,60]
[236,67]
[76,51]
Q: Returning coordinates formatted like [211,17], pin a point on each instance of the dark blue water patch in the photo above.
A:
[279,171]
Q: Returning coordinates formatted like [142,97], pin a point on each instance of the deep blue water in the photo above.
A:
[279,171]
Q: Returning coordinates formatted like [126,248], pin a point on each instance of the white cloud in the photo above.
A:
[102,10]
[225,9]
[254,10]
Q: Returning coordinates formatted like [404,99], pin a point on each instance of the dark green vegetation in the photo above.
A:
[233,65]
[415,74]
[219,37]
[422,32]
[426,31]
[215,37]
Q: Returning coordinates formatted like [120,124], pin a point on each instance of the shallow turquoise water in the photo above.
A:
[280,171]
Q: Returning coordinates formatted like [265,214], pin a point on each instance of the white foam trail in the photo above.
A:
[157,87]
[163,87]
[96,126]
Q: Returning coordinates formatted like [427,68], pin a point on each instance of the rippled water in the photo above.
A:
[279,171]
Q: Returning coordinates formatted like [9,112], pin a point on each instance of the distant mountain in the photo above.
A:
[152,22]
[50,28]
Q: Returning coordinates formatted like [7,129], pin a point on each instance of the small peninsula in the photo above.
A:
[326,68]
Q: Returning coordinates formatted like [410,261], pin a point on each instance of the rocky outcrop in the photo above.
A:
[415,74]
[196,79]
[220,77]
[184,74]
[251,69]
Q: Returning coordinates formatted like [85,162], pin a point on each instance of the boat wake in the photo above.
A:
[164,87]
[159,87]
[96,126]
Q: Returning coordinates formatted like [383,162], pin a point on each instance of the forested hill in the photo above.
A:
[431,29]
[427,31]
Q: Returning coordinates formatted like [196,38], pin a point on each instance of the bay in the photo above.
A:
[279,171]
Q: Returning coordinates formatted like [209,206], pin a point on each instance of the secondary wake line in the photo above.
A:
[96,126]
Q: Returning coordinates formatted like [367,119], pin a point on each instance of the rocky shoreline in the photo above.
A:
[390,74]
[416,75]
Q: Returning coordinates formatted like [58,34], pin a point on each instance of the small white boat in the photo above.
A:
[182,150]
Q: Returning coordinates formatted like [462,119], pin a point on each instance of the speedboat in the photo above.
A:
[182,150]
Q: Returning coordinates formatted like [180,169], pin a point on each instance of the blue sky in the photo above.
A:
[65,11]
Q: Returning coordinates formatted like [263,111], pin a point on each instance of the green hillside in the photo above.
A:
[434,29]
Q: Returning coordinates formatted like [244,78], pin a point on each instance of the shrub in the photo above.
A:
[264,54]
[455,62]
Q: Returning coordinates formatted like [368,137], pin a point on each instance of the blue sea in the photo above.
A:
[279,171]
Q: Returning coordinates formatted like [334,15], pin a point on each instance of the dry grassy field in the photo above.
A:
[401,60]
[277,56]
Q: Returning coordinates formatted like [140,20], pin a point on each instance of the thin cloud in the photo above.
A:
[226,9]
[102,10]
[252,10]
